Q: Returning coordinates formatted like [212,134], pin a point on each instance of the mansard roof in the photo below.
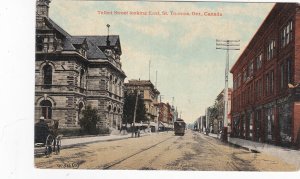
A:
[58,28]
[96,44]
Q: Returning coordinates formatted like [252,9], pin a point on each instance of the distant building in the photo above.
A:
[165,116]
[209,119]
[220,104]
[266,77]
[150,95]
[72,72]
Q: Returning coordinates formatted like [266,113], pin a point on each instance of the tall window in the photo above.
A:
[259,61]
[239,82]
[267,83]
[272,82]
[47,70]
[244,75]
[289,71]
[281,76]
[256,90]
[260,87]
[81,81]
[286,34]
[80,108]
[271,49]
[250,69]
[46,107]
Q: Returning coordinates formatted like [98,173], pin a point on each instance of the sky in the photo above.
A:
[182,49]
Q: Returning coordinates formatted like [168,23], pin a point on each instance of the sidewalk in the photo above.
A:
[286,154]
[70,142]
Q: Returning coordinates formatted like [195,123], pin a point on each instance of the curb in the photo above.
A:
[239,145]
[41,150]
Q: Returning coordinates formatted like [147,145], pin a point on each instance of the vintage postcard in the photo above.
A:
[167,85]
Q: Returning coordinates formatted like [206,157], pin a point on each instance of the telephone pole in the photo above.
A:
[135,108]
[226,45]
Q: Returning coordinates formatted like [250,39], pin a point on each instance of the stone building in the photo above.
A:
[72,72]
[266,77]
[150,96]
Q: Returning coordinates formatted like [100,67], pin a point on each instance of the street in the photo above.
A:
[163,151]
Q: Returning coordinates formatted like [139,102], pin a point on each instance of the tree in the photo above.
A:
[89,120]
[128,109]
[214,113]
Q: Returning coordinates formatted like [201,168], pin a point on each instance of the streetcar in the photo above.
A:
[179,127]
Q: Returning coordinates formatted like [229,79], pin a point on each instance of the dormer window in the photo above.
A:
[82,52]
[108,52]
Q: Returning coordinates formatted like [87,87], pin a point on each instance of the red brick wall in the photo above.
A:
[297,47]
[296,120]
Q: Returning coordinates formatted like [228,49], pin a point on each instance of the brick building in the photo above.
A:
[150,95]
[72,72]
[266,97]
[165,115]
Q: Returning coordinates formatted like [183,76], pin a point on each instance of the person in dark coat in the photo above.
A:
[41,131]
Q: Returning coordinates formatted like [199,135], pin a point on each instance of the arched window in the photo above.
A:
[109,108]
[47,75]
[80,107]
[46,107]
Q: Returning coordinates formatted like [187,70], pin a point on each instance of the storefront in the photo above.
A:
[285,122]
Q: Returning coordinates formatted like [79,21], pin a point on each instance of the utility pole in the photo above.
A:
[159,107]
[226,45]
[135,108]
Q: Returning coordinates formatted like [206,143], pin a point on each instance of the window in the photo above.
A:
[239,82]
[260,88]
[259,61]
[250,69]
[271,49]
[286,34]
[80,108]
[46,107]
[47,70]
[289,71]
[81,78]
[267,83]
[81,81]
[281,76]
[272,82]
[39,43]
[256,90]
[244,75]
[234,84]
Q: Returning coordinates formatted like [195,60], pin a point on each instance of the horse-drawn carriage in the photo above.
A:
[47,137]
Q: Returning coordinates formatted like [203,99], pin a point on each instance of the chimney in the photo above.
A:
[42,8]
[107,39]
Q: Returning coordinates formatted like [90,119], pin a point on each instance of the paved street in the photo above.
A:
[163,151]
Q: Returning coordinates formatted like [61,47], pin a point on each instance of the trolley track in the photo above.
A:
[209,141]
[109,165]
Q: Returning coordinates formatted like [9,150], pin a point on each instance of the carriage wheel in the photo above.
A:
[48,145]
[57,144]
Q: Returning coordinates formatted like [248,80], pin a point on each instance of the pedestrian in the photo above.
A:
[138,132]
[135,131]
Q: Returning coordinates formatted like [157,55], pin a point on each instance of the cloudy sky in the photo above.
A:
[181,48]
